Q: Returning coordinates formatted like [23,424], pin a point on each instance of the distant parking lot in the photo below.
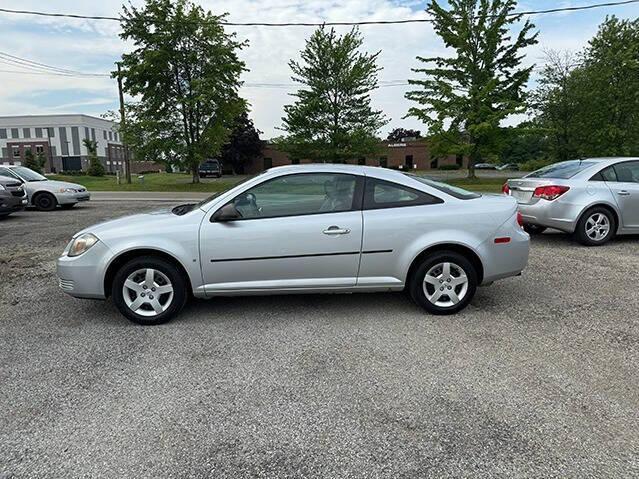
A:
[537,378]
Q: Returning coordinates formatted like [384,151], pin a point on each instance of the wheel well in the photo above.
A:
[606,207]
[119,261]
[40,193]
[463,250]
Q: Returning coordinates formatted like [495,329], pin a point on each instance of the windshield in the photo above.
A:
[27,175]
[451,190]
[563,170]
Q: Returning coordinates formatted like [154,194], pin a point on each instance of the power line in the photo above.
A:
[316,24]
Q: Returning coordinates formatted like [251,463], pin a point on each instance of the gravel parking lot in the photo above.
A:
[537,378]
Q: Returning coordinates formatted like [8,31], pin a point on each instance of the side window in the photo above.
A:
[300,194]
[384,194]
[607,174]
[627,172]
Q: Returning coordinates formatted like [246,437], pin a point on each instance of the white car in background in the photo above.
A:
[43,193]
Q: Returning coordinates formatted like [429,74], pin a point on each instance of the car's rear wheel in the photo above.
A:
[534,229]
[596,227]
[149,290]
[45,202]
[444,283]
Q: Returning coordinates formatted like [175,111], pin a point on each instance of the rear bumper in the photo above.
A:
[551,214]
[505,260]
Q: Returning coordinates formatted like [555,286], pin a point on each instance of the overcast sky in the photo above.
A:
[94,46]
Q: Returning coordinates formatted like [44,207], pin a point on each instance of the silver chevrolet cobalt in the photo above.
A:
[302,229]
[595,199]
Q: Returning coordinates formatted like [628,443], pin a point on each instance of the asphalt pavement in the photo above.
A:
[537,378]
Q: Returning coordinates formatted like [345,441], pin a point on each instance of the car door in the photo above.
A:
[626,192]
[297,231]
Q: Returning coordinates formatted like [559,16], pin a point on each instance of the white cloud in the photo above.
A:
[94,46]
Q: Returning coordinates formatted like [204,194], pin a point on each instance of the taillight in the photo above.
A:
[550,192]
[520,219]
[505,189]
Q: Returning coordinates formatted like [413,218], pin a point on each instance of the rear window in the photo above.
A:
[451,190]
[563,170]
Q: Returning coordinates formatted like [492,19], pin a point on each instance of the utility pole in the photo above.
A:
[127,162]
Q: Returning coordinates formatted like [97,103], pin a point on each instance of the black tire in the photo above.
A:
[68,206]
[581,231]
[534,229]
[166,268]
[45,202]
[416,282]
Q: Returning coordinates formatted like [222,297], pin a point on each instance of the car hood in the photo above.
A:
[153,222]
[52,185]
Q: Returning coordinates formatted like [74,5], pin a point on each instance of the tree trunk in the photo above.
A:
[472,161]
[196,176]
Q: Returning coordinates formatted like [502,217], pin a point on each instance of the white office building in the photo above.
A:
[59,138]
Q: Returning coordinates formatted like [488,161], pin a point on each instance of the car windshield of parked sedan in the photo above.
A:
[28,175]
[563,170]
[451,190]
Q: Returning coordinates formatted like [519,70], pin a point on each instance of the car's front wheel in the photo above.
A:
[45,202]
[596,227]
[149,290]
[444,283]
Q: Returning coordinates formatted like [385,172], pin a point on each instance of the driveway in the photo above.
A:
[537,378]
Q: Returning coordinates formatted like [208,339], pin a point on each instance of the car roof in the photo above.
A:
[373,171]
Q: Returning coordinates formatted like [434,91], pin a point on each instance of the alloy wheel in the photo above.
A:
[147,292]
[445,284]
[597,227]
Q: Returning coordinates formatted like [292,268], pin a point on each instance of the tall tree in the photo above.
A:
[243,145]
[96,168]
[467,95]
[332,119]
[184,72]
[398,134]
[556,101]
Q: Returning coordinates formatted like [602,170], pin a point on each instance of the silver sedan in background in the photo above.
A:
[43,193]
[302,229]
[595,198]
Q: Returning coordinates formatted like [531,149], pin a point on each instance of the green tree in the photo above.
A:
[32,162]
[398,134]
[96,168]
[243,145]
[464,97]
[184,72]
[332,119]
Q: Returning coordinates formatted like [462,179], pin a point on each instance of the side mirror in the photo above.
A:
[227,212]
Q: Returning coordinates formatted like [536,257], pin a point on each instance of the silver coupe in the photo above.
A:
[302,229]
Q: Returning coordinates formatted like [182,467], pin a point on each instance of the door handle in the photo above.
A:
[623,193]
[336,230]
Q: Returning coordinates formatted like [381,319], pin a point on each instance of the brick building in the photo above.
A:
[405,155]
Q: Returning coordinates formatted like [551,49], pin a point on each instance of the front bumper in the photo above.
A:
[11,204]
[551,214]
[70,198]
[83,276]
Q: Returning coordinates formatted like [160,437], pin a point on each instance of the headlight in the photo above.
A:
[67,190]
[80,245]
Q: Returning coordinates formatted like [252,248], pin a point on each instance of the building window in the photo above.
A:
[383,162]
[361,161]
[105,134]
[110,136]
[15,151]
[268,163]
[38,132]
[434,164]
[295,161]
[26,132]
[459,159]
[14,133]
[408,162]
[3,133]
[39,150]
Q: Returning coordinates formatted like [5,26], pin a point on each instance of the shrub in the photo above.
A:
[449,167]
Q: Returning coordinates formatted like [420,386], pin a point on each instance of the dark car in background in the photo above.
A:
[210,168]
[13,197]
